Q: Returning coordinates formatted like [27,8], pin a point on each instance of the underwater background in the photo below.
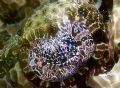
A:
[14,70]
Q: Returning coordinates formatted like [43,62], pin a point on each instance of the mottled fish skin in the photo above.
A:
[53,25]
[59,57]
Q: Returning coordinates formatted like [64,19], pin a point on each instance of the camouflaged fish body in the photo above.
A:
[63,36]
[62,44]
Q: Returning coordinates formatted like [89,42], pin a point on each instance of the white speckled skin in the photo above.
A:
[66,35]
[59,57]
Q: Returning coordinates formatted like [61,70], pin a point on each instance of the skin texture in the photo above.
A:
[71,45]
[49,26]
[59,57]
[39,29]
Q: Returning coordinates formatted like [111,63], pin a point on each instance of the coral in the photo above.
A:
[4,36]
[16,10]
